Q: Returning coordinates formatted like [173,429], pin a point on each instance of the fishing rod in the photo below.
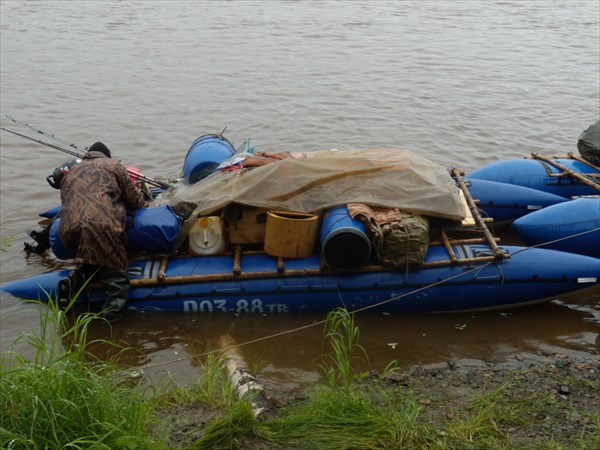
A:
[138,175]
[47,144]
[45,133]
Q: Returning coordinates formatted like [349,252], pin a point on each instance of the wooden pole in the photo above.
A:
[280,265]
[499,254]
[162,273]
[200,278]
[581,177]
[446,242]
[465,241]
[581,160]
[237,260]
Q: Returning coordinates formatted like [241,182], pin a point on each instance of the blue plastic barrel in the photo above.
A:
[344,240]
[204,156]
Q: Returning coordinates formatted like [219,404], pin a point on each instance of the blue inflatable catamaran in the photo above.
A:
[370,230]
[211,284]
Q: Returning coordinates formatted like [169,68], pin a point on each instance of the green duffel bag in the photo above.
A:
[400,238]
[405,242]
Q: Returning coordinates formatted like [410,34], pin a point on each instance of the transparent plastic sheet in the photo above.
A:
[322,179]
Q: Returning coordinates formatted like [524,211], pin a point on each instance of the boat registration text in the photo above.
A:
[255,305]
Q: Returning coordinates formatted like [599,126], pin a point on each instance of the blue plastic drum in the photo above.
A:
[344,240]
[204,156]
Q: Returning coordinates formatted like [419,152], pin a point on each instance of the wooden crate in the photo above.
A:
[249,228]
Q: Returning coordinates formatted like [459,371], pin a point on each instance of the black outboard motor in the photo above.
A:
[42,237]
[59,173]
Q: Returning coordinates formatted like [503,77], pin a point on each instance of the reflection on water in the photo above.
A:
[178,342]
[287,349]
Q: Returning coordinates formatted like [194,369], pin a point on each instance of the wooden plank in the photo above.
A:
[468,221]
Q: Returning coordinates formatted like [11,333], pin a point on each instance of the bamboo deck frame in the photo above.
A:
[575,156]
[237,273]
[584,178]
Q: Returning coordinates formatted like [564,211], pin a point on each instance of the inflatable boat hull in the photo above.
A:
[206,284]
[573,226]
[536,174]
[506,202]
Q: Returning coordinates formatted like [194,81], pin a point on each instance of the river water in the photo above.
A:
[461,82]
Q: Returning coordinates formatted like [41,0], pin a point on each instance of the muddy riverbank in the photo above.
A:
[534,400]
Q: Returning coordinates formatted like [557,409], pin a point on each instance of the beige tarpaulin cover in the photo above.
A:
[322,179]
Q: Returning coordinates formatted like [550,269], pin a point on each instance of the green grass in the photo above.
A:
[63,397]
[333,419]
[344,339]
[232,429]
[351,412]
[345,413]
[5,243]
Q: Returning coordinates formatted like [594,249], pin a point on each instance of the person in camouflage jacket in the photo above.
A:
[95,196]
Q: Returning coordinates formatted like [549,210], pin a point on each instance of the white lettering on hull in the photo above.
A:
[240,306]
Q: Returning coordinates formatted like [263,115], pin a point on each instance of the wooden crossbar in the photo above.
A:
[491,241]
[230,276]
[584,178]
[576,157]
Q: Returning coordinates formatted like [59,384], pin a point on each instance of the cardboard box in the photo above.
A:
[249,227]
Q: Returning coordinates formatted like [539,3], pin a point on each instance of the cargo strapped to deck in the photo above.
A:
[474,222]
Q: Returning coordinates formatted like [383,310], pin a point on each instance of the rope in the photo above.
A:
[321,322]
[363,309]
[593,230]
[313,324]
